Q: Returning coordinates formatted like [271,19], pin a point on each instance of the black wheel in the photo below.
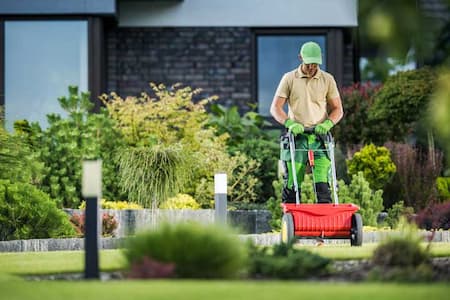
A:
[356,233]
[287,228]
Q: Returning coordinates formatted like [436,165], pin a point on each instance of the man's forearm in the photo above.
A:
[276,110]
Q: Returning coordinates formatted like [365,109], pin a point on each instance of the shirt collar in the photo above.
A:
[303,75]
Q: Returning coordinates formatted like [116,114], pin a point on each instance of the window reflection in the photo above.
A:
[276,55]
[42,58]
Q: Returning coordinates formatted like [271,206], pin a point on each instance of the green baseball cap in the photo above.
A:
[311,53]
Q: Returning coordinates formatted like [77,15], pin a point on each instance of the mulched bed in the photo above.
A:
[345,271]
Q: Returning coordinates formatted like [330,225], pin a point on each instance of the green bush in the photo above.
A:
[248,137]
[396,212]
[283,261]
[239,128]
[401,103]
[198,251]
[27,213]
[185,123]
[180,201]
[265,153]
[443,187]
[401,257]
[274,205]
[359,192]
[17,160]
[67,141]
[375,163]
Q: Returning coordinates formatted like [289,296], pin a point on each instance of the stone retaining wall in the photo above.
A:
[260,239]
[133,220]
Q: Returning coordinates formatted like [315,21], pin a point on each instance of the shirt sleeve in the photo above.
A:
[333,91]
[283,89]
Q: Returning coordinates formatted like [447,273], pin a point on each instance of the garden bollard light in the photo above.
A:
[220,198]
[92,192]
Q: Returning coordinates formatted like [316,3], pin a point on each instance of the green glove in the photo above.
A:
[324,127]
[294,127]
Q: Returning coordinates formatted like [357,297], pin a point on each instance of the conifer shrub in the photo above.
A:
[375,163]
[359,192]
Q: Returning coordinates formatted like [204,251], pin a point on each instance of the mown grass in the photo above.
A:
[217,290]
[345,252]
[29,263]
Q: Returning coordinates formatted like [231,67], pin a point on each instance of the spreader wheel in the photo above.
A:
[356,233]
[287,228]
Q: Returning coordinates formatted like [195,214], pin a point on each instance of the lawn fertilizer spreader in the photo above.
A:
[319,220]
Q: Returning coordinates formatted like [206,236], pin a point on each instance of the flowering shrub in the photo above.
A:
[109,224]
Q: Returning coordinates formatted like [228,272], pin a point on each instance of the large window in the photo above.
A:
[42,58]
[276,55]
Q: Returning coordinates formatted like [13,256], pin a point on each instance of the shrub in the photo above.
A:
[212,252]
[415,181]
[185,124]
[17,160]
[360,193]
[265,153]
[274,205]
[109,224]
[248,136]
[401,257]
[150,268]
[105,204]
[180,201]
[356,128]
[443,187]
[239,128]
[375,163]
[398,211]
[285,262]
[149,175]
[401,102]
[434,216]
[27,213]
[67,141]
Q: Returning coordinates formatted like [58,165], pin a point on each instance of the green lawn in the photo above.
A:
[56,262]
[73,261]
[217,290]
[12,287]
[344,252]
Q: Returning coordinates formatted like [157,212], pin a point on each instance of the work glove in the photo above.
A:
[324,127]
[294,127]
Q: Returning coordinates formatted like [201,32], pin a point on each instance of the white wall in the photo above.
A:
[245,13]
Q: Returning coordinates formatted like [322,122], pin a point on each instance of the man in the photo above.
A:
[313,101]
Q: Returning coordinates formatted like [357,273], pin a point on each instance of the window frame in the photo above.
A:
[96,71]
[334,55]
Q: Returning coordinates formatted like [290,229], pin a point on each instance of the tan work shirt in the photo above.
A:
[307,96]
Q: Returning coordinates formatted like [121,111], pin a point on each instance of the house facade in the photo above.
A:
[236,49]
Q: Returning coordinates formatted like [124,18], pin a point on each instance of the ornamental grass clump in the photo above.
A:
[195,251]
[401,257]
[149,175]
